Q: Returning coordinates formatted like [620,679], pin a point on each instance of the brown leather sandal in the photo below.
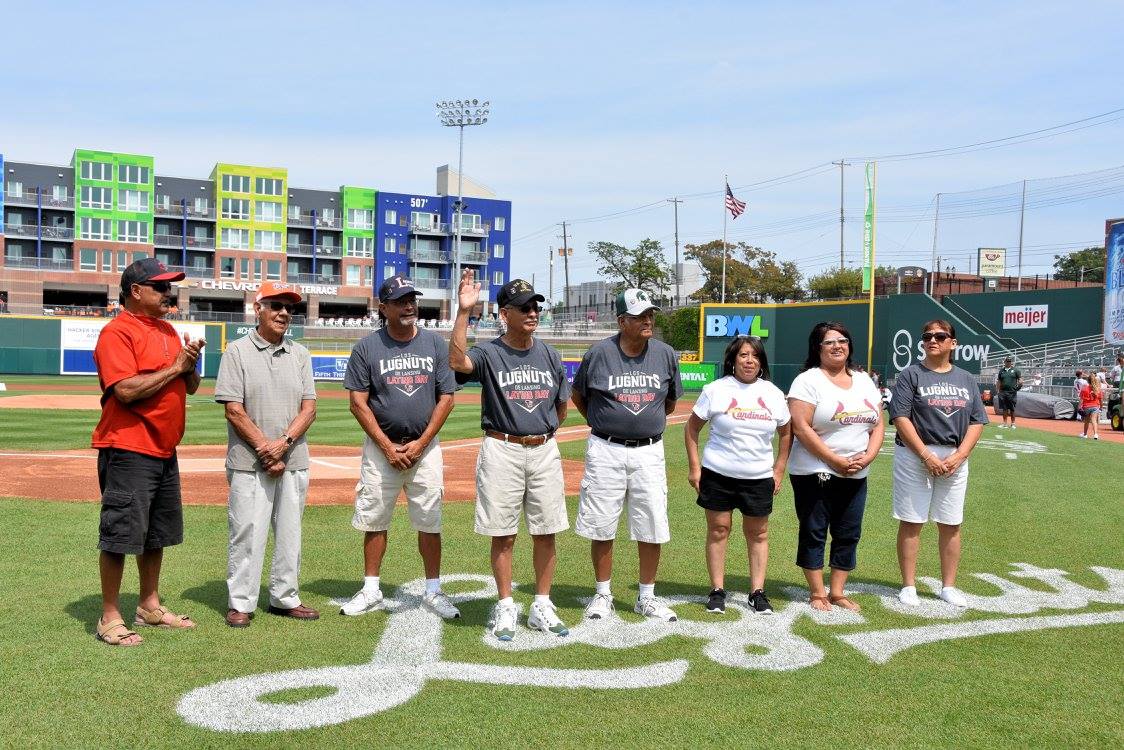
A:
[114,633]
[157,618]
[845,603]
[813,599]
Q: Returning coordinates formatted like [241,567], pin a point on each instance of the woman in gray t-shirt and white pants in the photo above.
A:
[939,417]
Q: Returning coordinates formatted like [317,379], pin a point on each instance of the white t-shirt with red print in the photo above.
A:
[743,419]
[844,418]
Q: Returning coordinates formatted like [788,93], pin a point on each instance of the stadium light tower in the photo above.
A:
[460,113]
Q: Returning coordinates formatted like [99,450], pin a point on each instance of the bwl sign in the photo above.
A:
[252,286]
[409,652]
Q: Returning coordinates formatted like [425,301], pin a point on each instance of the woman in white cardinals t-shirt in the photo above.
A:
[738,469]
[837,422]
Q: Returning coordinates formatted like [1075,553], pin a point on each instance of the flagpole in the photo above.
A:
[873,265]
[725,190]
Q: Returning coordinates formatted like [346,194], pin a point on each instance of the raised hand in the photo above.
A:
[468,293]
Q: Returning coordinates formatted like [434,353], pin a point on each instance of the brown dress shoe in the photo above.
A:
[236,619]
[299,612]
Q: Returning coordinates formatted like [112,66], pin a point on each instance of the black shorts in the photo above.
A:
[1005,400]
[753,497]
[140,502]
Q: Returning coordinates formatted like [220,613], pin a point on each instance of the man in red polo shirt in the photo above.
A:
[145,374]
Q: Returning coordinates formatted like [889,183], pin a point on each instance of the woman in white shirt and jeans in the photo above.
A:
[837,421]
[738,469]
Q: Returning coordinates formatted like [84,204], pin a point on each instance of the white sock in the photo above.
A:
[370,584]
[602,587]
[432,585]
[647,589]
[542,598]
[507,601]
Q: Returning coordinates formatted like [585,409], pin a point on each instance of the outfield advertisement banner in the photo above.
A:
[694,375]
[1114,284]
[78,338]
[329,366]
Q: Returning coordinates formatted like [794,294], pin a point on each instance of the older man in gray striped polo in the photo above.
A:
[265,382]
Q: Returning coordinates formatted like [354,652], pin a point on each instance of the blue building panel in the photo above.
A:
[3,192]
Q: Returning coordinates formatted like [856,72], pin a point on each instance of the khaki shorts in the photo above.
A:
[615,477]
[919,497]
[380,484]
[512,479]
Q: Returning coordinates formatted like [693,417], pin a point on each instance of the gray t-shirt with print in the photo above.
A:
[941,405]
[520,388]
[625,395]
[402,379]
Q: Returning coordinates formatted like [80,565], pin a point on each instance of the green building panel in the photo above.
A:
[365,200]
[126,183]
[259,188]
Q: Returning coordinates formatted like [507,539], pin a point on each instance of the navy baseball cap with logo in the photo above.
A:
[396,287]
[145,270]
[517,293]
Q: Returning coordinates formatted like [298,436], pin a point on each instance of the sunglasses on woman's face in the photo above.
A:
[278,306]
[158,286]
[939,336]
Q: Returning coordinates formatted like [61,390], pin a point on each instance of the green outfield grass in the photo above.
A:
[1055,507]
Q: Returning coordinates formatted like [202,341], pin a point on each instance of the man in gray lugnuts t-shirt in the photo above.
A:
[520,387]
[940,405]
[625,387]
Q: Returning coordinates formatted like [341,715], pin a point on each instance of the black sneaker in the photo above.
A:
[716,602]
[760,603]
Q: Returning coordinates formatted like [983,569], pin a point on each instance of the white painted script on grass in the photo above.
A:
[409,651]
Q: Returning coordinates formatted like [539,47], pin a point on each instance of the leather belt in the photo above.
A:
[524,440]
[628,442]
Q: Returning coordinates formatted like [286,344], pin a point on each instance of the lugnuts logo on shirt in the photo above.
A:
[761,411]
[635,390]
[870,415]
[406,373]
[945,398]
[526,386]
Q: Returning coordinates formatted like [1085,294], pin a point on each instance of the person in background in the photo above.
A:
[1092,398]
[1117,372]
[838,430]
[738,470]
[939,417]
[1079,382]
[1008,382]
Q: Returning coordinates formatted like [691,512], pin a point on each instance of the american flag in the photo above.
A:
[733,205]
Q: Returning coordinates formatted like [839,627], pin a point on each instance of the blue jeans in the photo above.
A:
[834,505]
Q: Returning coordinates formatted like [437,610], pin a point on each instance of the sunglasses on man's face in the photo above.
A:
[939,336]
[158,286]
[526,309]
[278,306]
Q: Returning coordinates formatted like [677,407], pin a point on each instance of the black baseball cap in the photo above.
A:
[517,293]
[145,270]
[396,287]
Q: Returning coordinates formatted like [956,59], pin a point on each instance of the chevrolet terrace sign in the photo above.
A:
[250,286]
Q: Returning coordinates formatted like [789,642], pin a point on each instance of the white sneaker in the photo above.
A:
[542,617]
[1012,427]
[503,621]
[600,608]
[650,606]
[1084,436]
[953,597]
[1002,426]
[439,603]
[362,603]
[908,596]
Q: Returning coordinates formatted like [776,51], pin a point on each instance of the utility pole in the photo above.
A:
[550,258]
[566,265]
[936,219]
[1022,213]
[841,164]
[675,203]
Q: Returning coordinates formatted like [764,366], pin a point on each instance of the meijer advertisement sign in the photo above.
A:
[1026,316]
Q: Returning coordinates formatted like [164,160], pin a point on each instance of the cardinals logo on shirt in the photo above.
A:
[870,415]
[759,412]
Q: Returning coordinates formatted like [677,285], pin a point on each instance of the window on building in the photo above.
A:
[162,202]
[360,247]
[470,221]
[257,269]
[122,260]
[294,212]
[235,208]
[500,223]
[352,275]
[267,211]
[202,206]
[387,272]
[390,245]
[268,186]
[96,197]
[498,250]
[60,255]
[497,278]
[391,216]
[132,231]
[360,218]
[139,255]
[13,251]
[132,200]
[88,259]
[15,189]
[95,229]
[292,269]
[15,219]
[267,241]
[226,268]
[326,269]
[59,193]
[200,233]
[273,270]
[97,170]
[235,239]
[328,216]
[245,268]
[420,220]
[132,174]
[328,240]
[107,260]
[368,271]
[235,183]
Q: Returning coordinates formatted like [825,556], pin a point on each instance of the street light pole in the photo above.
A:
[460,113]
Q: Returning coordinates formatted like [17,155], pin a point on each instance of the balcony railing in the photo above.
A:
[428,283]
[479,230]
[299,220]
[296,248]
[474,258]
[44,264]
[313,278]
[176,240]
[195,272]
[32,230]
[323,251]
[429,256]
[29,198]
[429,227]
[175,209]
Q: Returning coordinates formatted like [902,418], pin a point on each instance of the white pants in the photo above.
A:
[380,484]
[615,477]
[918,496]
[256,502]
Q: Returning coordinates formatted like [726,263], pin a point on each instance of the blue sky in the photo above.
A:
[600,108]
